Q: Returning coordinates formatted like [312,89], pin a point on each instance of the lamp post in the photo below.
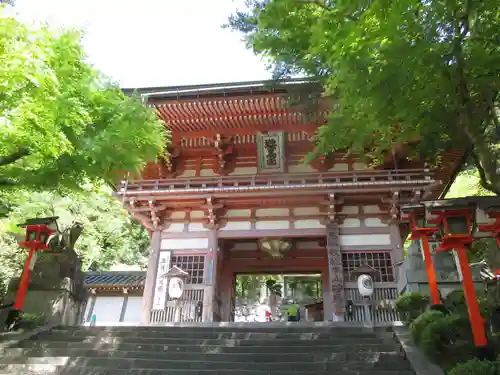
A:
[422,227]
[38,233]
[456,235]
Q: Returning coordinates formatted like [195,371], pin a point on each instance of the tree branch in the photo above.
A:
[482,175]
[15,156]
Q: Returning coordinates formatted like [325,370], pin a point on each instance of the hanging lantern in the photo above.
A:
[275,247]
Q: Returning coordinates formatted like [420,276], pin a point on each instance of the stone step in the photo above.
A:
[242,327]
[125,363]
[339,331]
[215,356]
[213,335]
[200,341]
[65,370]
[305,347]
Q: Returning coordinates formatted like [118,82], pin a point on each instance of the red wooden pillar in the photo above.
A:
[477,322]
[24,281]
[431,273]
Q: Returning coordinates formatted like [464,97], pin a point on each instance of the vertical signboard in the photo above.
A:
[161,284]
[335,268]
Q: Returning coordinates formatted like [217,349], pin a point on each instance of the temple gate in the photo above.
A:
[235,174]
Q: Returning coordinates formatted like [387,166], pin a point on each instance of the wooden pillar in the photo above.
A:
[211,269]
[335,270]
[149,285]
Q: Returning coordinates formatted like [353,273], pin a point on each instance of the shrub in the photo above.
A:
[410,305]
[30,321]
[447,340]
[455,302]
[475,367]
[418,325]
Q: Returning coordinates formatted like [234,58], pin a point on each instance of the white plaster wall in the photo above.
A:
[272,224]
[178,215]
[262,212]
[351,223]
[371,209]
[350,209]
[197,214]
[365,239]
[374,222]
[302,211]
[238,213]
[133,311]
[244,171]
[107,309]
[184,243]
[237,225]
[308,224]
[196,227]
[175,227]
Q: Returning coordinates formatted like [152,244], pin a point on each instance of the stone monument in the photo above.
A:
[56,288]
[413,277]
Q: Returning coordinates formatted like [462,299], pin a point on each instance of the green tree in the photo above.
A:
[397,72]
[61,121]
[110,237]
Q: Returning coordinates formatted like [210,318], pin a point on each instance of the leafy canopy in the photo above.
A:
[397,71]
[110,238]
[62,122]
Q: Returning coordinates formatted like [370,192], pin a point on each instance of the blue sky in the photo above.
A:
[155,42]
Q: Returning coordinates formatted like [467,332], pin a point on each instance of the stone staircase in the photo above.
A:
[253,349]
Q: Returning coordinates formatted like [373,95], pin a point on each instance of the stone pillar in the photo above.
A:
[396,243]
[336,275]
[149,285]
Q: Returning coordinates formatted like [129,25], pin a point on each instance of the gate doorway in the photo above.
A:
[253,293]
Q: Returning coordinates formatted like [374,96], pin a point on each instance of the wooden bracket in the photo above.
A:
[211,211]
[223,149]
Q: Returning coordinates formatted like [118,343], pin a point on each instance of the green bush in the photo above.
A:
[30,321]
[418,325]
[447,340]
[475,367]
[455,302]
[410,305]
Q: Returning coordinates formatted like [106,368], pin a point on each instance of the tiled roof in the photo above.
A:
[115,278]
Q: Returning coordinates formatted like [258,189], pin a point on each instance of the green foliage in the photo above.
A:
[475,367]
[61,122]
[422,321]
[109,237]
[31,321]
[447,340]
[455,302]
[410,305]
[396,72]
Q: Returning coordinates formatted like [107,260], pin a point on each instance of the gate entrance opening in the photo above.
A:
[258,297]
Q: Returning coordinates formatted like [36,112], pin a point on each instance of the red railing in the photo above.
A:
[282,179]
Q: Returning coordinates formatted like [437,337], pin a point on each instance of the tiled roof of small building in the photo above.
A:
[115,278]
